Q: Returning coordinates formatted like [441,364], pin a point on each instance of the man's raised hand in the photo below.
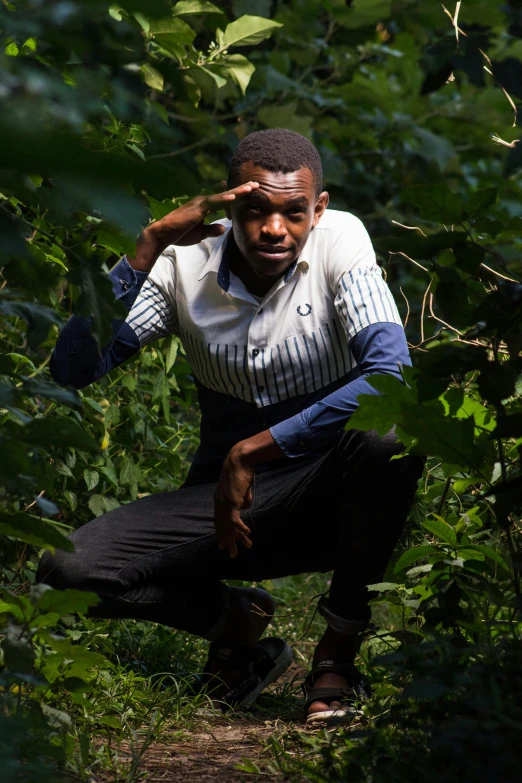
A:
[184,226]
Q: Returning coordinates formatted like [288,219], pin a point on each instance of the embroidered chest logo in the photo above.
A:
[308,310]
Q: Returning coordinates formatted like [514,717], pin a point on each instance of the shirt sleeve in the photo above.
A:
[380,348]
[77,360]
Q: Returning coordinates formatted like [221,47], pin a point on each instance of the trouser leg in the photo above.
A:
[154,559]
[377,495]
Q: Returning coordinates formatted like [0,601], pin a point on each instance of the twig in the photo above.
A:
[400,253]
[436,317]
[407,305]
[410,228]
[422,312]
[494,271]
[508,96]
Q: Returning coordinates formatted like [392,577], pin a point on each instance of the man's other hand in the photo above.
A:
[234,489]
[184,226]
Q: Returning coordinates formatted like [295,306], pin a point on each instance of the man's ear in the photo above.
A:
[320,206]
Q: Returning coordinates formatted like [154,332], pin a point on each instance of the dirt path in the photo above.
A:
[211,753]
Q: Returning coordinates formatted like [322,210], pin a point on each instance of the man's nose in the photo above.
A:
[274,227]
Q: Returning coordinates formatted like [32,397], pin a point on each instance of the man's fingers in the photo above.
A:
[213,230]
[219,199]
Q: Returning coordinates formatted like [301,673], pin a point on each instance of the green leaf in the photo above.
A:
[440,528]
[363,13]
[152,77]
[286,116]
[481,201]
[186,7]
[91,478]
[487,551]
[248,31]
[239,68]
[100,504]
[412,555]
[65,602]
[15,363]
[31,530]
[181,32]
[171,353]
[435,202]
[461,485]
[59,432]
[383,587]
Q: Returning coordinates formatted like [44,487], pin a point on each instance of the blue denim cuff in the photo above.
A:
[294,437]
[126,282]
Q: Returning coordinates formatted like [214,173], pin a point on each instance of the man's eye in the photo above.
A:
[297,211]
[254,209]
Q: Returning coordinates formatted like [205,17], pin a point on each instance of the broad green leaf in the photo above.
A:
[239,68]
[440,528]
[181,32]
[91,478]
[187,7]
[59,432]
[435,202]
[15,363]
[65,602]
[152,77]
[248,31]
[219,80]
[286,116]
[487,551]
[25,527]
[383,587]
[362,13]
[100,504]
[481,201]
[461,485]
[412,555]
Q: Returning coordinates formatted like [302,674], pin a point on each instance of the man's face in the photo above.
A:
[273,222]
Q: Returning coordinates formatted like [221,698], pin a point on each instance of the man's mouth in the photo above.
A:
[273,252]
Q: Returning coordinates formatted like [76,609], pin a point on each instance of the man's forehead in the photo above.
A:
[276,183]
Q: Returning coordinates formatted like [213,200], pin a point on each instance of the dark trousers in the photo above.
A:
[157,558]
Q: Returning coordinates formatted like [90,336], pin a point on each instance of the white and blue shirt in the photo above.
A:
[292,361]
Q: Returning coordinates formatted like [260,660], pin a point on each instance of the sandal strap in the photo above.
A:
[343,668]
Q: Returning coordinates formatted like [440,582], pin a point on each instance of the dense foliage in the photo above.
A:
[110,116]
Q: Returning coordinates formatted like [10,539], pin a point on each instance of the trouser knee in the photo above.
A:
[60,571]
[373,453]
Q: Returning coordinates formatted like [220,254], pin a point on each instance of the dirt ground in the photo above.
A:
[210,754]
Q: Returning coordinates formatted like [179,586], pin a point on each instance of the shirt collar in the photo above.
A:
[219,261]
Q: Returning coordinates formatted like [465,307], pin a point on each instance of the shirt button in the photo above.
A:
[260,311]
[255,352]
[260,389]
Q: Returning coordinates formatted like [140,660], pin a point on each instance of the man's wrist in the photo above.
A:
[258,448]
[149,247]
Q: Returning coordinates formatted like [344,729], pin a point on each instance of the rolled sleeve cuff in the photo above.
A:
[294,437]
[126,282]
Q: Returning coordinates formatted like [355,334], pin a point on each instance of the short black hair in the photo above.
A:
[278,150]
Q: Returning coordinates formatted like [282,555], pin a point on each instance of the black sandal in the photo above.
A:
[260,665]
[357,690]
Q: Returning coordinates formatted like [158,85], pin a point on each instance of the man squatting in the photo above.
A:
[283,314]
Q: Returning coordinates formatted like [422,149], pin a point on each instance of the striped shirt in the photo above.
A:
[292,342]
[291,361]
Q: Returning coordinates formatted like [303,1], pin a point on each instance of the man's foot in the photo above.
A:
[334,690]
[251,610]
[255,668]
[347,681]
